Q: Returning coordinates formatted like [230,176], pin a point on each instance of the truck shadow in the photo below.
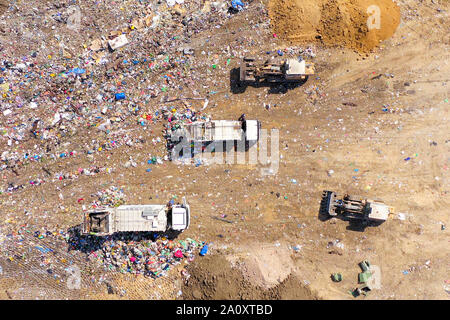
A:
[184,151]
[355,225]
[236,87]
[90,243]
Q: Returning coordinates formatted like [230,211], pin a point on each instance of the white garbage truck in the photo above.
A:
[137,218]
[218,130]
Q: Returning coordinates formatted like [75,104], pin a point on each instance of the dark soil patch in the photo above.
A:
[213,278]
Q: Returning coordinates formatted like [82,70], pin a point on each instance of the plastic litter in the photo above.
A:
[204,250]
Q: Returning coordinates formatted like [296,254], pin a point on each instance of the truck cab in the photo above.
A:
[180,216]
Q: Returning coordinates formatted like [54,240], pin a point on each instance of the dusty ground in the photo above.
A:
[356,24]
[214,278]
[333,122]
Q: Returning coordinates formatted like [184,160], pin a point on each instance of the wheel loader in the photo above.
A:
[286,71]
[368,211]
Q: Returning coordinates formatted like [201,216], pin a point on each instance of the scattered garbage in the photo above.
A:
[204,250]
[78,71]
[401,216]
[364,279]
[120,96]
[237,5]
[118,42]
[74,99]
[150,258]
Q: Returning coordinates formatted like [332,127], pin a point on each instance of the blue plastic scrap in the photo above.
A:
[120,96]
[43,250]
[204,250]
[78,70]
[237,4]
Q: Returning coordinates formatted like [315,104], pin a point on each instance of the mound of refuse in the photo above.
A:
[3,6]
[356,24]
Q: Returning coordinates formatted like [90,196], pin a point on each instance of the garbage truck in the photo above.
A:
[355,208]
[137,218]
[286,71]
[218,130]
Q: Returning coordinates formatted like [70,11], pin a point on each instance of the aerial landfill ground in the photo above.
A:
[92,91]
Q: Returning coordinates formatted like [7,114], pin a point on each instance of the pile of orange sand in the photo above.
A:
[357,24]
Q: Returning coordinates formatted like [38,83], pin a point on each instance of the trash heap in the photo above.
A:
[365,278]
[176,119]
[148,254]
[149,258]
[29,252]
[111,197]
[103,86]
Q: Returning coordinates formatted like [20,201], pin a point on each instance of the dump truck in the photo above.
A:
[355,208]
[217,130]
[137,218]
[286,71]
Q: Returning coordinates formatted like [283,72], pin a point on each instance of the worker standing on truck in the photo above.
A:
[243,122]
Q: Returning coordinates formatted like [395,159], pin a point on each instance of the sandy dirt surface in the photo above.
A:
[360,116]
[214,278]
[358,24]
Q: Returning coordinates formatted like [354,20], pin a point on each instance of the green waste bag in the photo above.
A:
[364,276]
[337,277]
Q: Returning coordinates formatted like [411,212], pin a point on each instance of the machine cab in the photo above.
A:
[296,70]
